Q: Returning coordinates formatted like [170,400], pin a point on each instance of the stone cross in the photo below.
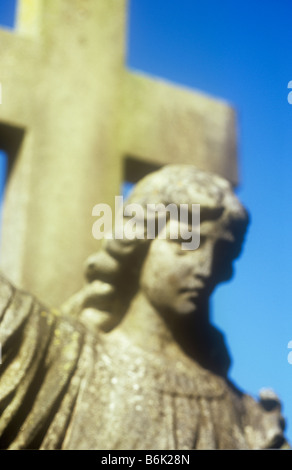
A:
[75,124]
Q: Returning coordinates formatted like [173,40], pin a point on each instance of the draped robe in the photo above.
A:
[63,387]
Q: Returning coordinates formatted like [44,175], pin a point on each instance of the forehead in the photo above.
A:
[213,229]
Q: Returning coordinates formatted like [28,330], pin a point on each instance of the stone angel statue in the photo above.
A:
[132,361]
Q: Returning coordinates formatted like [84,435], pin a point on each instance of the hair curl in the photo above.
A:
[115,268]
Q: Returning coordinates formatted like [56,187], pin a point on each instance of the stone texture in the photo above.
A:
[156,375]
[163,123]
[82,113]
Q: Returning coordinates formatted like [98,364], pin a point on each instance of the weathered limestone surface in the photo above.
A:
[132,361]
[167,124]
[81,112]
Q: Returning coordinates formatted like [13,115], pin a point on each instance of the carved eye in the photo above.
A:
[177,245]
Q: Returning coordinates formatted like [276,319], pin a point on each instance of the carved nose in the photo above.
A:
[204,267]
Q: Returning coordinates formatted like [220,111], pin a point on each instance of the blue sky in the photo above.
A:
[239,52]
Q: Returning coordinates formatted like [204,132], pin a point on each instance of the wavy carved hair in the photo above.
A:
[115,269]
